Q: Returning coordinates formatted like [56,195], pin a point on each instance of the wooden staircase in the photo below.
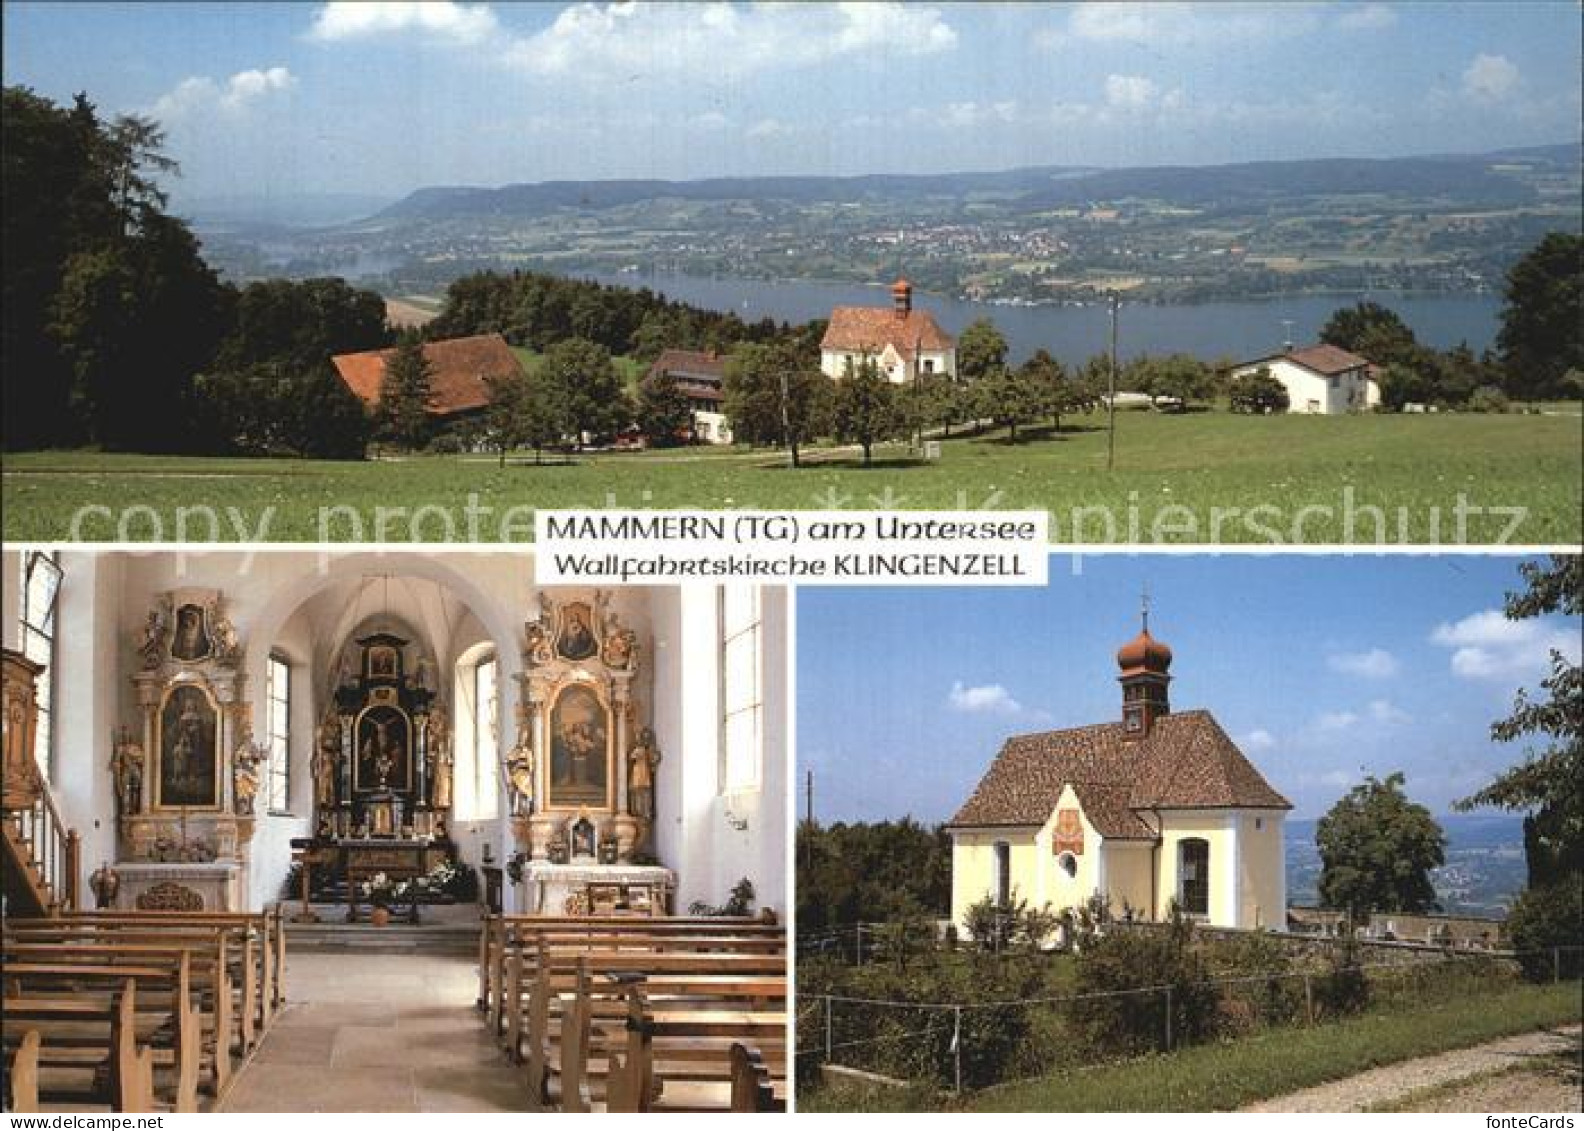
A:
[40,858]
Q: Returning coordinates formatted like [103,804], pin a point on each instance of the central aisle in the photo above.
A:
[378,1032]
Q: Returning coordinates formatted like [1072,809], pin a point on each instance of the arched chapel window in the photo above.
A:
[41,584]
[1193,872]
[278,702]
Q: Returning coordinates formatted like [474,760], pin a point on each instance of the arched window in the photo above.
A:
[277,737]
[40,594]
[742,706]
[1193,876]
[475,782]
[1068,863]
[1003,871]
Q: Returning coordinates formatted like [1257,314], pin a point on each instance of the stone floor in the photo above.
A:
[378,1032]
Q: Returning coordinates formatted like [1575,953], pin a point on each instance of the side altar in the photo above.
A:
[581,775]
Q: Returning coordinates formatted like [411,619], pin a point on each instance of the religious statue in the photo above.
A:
[520,776]
[151,646]
[226,645]
[641,764]
[541,648]
[105,883]
[245,772]
[619,645]
[126,767]
[441,759]
[326,759]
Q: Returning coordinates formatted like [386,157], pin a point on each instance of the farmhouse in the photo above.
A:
[1320,379]
[460,372]
[902,341]
[1154,809]
[699,375]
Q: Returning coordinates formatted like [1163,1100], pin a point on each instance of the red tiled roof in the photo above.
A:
[872,328]
[1326,360]
[460,369]
[1186,762]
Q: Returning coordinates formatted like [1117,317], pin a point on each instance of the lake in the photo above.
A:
[1243,329]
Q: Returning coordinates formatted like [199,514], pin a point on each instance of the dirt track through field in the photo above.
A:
[1396,1081]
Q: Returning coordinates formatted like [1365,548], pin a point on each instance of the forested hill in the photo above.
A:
[1503,177]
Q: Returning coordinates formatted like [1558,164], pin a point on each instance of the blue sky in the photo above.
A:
[1322,668]
[272,99]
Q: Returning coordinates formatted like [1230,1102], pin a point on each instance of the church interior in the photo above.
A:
[392,832]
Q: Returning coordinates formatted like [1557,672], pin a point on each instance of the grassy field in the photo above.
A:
[1208,477]
[1221,1077]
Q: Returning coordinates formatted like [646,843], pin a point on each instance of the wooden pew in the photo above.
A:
[271,945]
[128,1068]
[22,1075]
[709,1036]
[504,933]
[208,966]
[752,1086]
[595,983]
[510,935]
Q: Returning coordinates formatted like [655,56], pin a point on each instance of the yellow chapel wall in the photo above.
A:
[1219,828]
[1130,877]
[1050,886]
[974,869]
[1262,865]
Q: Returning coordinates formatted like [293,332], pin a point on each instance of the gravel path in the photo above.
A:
[1395,1081]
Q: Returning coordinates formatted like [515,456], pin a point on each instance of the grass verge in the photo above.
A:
[1226,1076]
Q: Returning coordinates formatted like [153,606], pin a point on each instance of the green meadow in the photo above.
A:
[1209,477]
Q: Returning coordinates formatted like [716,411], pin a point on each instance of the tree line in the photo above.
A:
[117,334]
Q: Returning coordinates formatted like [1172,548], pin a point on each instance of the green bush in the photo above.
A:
[1125,1023]
[1488,398]
[1344,989]
[1543,919]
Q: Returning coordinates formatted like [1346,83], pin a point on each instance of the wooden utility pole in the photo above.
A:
[1111,400]
[808,809]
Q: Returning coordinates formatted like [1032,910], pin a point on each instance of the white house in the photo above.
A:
[1320,379]
[902,341]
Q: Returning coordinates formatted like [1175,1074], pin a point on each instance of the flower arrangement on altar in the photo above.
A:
[381,891]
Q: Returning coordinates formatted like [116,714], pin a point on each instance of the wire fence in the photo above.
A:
[975,1043]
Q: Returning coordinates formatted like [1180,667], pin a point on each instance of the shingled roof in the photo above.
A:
[699,374]
[1326,360]
[858,329]
[1185,762]
[460,372]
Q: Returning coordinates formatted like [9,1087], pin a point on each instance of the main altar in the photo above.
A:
[581,775]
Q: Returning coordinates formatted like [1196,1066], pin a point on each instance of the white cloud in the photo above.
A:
[596,41]
[768,127]
[1377,663]
[1159,25]
[965,115]
[990,699]
[1384,711]
[1371,17]
[1490,78]
[709,120]
[1336,720]
[1257,741]
[1129,92]
[1488,646]
[439,21]
[200,93]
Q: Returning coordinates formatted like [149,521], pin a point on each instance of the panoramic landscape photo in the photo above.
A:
[392,272]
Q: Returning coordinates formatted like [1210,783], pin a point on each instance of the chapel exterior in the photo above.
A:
[903,342]
[1156,808]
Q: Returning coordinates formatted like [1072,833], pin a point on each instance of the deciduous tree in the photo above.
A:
[774,396]
[981,350]
[1377,849]
[1542,336]
[867,412]
[590,387]
[664,414]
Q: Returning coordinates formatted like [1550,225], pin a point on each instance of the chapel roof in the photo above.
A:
[856,329]
[1186,761]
